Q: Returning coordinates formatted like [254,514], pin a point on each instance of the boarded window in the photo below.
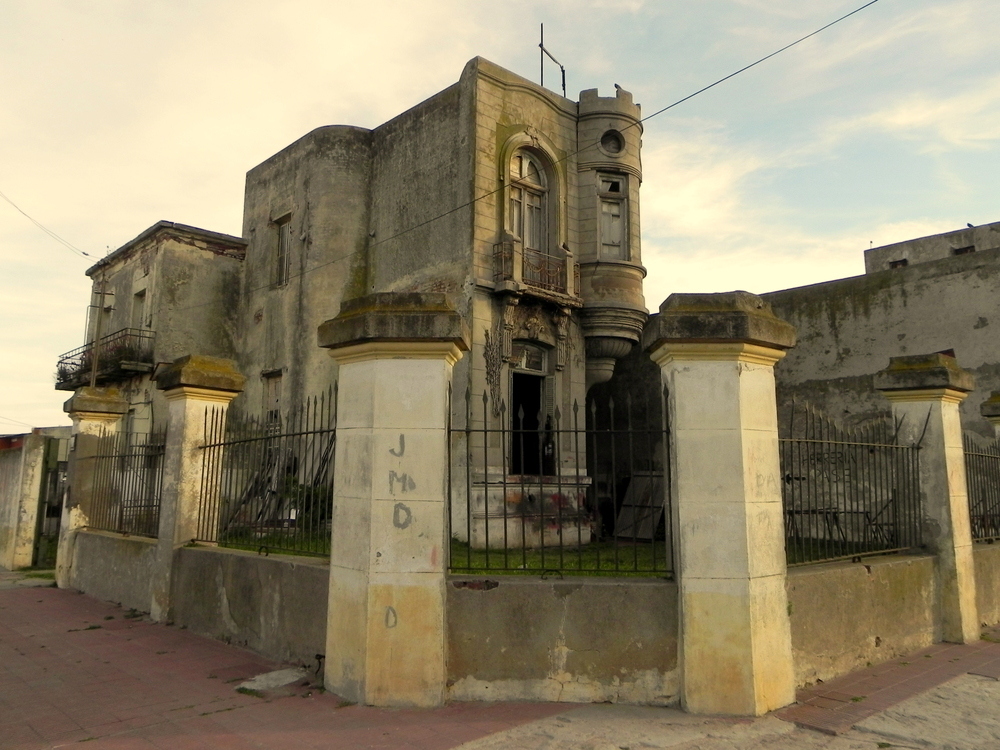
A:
[613,197]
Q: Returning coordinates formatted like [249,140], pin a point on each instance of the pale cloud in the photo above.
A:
[693,183]
[117,114]
[969,119]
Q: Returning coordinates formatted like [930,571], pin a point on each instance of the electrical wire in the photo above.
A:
[499,189]
[45,229]
[15,421]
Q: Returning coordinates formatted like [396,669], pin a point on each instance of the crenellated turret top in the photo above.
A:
[621,104]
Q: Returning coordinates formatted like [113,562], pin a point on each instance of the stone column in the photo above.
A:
[925,391]
[94,411]
[990,409]
[717,353]
[191,385]
[385,643]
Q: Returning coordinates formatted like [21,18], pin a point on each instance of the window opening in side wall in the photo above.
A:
[899,263]
[282,248]
[139,309]
[272,398]
[613,192]
[964,250]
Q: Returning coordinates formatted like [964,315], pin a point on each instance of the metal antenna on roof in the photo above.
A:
[541,60]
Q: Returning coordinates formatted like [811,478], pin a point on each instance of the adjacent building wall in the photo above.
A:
[574,640]
[936,247]
[846,616]
[848,330]
[22,472]
[320,187]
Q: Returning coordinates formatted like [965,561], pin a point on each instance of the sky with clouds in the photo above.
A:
[115,114]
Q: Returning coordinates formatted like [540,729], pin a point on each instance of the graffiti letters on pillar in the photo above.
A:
[400,483]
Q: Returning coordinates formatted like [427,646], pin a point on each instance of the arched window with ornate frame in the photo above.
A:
[527,217]
[532,252]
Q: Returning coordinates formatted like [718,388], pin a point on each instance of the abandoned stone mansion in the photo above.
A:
[417,428]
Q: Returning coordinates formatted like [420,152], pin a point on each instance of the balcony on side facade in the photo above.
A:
[119,356]
[535,271]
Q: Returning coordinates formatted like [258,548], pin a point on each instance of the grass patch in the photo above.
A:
[800,550]
[45,575]
[289,541]
[250,691]
[642,559]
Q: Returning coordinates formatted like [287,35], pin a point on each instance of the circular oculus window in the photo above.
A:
[612,142]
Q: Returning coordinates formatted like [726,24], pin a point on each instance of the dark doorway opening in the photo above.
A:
[526,407]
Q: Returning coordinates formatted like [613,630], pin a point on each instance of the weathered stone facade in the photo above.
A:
[481,192]
[849,328]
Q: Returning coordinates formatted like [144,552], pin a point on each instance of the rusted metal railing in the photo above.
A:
[982,471]
[847,492]
[267,483]
[127,484]
[127,351]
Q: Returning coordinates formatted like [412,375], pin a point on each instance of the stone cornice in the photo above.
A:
[715,351]
[945,395]
[448,351]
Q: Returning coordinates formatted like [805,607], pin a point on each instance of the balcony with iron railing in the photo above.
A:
[556,273]
[119,356]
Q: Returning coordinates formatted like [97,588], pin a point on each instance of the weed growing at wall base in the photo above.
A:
[596,559]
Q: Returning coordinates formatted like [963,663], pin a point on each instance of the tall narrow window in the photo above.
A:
[528,202]
[139,309]
[282,250]
[272,398]
[614,204]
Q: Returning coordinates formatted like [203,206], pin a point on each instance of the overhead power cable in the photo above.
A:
[15,421]
[69,246]
[490,193]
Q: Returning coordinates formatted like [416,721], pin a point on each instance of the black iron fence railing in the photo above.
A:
[120,354]
[127,482]
[982,471]
[847,493]
[267,483]
[578,494]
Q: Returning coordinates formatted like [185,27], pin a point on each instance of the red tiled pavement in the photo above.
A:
[75,669]
[839,704]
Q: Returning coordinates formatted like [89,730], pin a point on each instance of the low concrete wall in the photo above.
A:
[848,615]
[573,640]
[987,557]
[274,605]
[114,567]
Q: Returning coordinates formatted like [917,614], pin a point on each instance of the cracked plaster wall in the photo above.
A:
[575,640]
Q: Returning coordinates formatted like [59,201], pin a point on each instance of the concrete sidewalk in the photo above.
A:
[75,670]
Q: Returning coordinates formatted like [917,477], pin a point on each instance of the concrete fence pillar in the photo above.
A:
[93,411]
[925,392]
[990,409]
[386,624]
[717,353]
[191,385]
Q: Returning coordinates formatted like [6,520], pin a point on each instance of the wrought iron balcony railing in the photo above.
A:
[535,269]
[120,355]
